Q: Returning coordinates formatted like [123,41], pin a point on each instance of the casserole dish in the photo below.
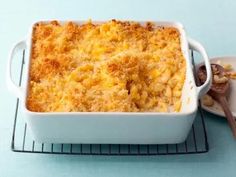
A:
[115,127]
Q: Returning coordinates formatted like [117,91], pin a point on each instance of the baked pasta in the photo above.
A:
[111,67]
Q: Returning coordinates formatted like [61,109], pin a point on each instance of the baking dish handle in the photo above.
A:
[17,90]
[203,89]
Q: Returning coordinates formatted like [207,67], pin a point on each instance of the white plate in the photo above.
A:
[216,108]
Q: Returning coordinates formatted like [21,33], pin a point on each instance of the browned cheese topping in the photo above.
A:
[115,66]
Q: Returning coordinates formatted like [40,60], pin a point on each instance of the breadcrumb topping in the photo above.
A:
[111,67]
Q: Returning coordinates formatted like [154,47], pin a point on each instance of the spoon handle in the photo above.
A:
[228,114]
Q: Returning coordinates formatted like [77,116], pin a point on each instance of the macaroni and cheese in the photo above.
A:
[115,66]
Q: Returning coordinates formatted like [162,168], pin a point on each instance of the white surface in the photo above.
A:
[216,108]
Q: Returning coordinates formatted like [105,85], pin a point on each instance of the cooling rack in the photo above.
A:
[23,142]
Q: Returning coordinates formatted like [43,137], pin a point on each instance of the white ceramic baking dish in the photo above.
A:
[115,127]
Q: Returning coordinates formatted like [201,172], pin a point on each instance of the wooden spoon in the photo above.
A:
[219,91]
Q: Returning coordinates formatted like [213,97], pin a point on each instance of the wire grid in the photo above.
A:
[22,141]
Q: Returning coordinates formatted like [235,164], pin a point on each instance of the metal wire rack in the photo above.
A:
[22,141]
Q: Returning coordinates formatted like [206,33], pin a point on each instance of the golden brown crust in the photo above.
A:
[115,66]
